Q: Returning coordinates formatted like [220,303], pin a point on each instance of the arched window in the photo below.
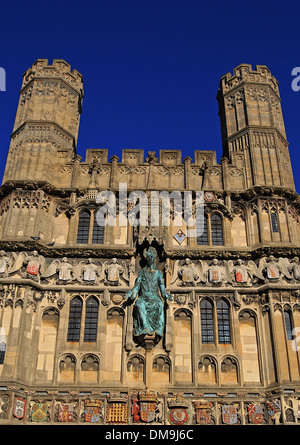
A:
[288,324]
[98,231]
[223,317]
[209,230]
[2,352]
[201,230]
[89,231]
[83,228]
[74,319]
[91,320]
[207,321]
[216,230]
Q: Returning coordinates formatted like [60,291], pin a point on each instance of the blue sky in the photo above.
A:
[151,69]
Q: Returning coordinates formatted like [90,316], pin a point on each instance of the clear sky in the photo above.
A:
[151,68]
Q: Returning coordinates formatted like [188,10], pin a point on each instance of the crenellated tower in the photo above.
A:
[47,120]
[252,126]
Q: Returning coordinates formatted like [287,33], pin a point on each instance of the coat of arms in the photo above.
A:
[147,405]
[66,412]
[241,275]
[147,411]
[178,411]
[203,411]
[273,407]
[19,408]
[39,412]
[117,408]
[229,414]
[92,410]
[256,413]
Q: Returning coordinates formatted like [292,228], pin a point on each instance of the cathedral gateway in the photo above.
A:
[149,289]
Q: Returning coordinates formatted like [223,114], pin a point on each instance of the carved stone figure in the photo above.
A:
[64,270]
[187,274]
[294,268]
[215,272]
[112,273]
[147,294]
[5,263]
[90,271]
[34,264]
[135,411]
[275,269]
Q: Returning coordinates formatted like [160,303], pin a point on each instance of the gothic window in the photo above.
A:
[210,230]
[207,370]
[98,232]
[74,319]
[90,363]
[83,228]
[89,231]
[67,367]
[207,321]
[91,320]
[201,230]
[274,221]
[223,317]
[229,370]
[288,325]
[216,230]
[135,369]
[2,352]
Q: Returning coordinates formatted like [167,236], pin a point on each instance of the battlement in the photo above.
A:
[59,69]
[167,157]
[244,73]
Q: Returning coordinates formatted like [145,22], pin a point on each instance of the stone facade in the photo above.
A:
[229,353]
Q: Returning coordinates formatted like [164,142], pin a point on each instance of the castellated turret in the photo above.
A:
[252,126]
[47,120]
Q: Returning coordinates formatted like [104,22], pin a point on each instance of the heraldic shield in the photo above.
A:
[178,411]
[19,408]
[256,413]
[229,414]
[147,411]
[203,412]
[39,412]
[147,404]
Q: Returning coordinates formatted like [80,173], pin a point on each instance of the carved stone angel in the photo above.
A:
[88,273]
[244,275]
[64,269]
[113,273]
[293,267]
[275,270]
[5,264]
[215,273]
[188,274]
[34,265]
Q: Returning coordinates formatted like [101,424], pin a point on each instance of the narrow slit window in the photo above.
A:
[83,228]
[98,231]
[288,325]
[2,352]
[223,322]
[207,321]
[74,319]
[274,221]
[201,231]
[216,230]
[91,320]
